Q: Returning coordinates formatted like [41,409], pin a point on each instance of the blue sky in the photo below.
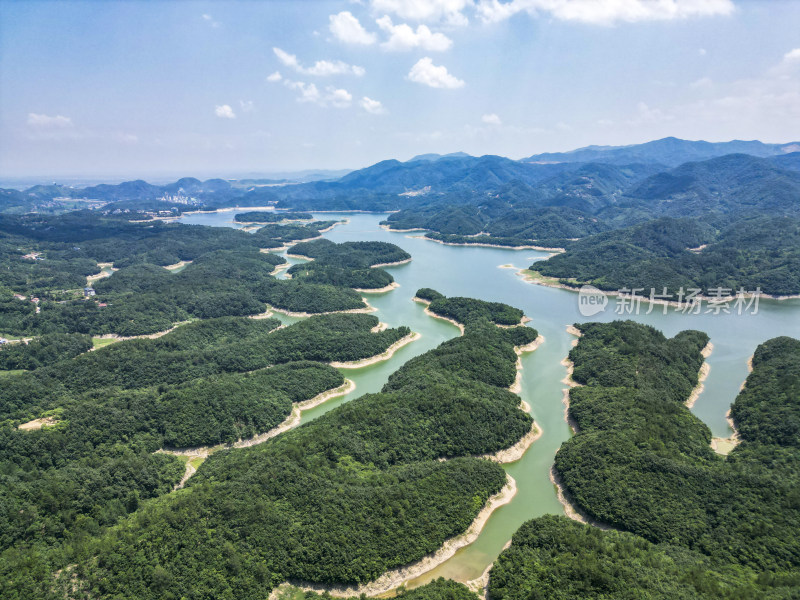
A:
[225,88]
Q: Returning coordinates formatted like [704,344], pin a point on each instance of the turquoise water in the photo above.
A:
[476,272]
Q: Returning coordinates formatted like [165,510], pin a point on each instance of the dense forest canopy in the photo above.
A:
[349,264]
[357,491]
[106,412]
[271,216]
[224,272]
[87,502]
[694,525]
[760,253]
[641,460]
[469,310]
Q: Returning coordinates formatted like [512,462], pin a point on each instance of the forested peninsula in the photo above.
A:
[692,524]
[376,483]
[224,272]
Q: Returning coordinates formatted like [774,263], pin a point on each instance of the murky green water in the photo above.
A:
[475,272]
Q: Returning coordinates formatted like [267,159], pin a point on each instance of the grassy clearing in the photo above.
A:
[100,342]
[11,372]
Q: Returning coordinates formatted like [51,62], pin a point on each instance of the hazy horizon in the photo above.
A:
[141,89]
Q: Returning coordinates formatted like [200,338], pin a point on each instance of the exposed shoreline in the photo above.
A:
[552,282]
[292,421]
[399,576]
[571,509]
[571,383]
[391,264]
[367,309]
[90,279]
[430,313]
[518,450]
[177,265]
[522,322]
[705,368]
[553,251]
[396,577]
[279,268]
[385,355]
[387,228]
[722,445]
[263,223]
[516,387]
[387,288]
[725,445]
[327,229]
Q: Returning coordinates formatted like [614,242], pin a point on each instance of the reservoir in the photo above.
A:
[485,273]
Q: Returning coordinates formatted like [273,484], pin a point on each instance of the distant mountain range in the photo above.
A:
[588,179]
[669,151]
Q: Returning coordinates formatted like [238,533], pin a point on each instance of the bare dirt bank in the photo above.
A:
[705,368]
[435,316]
[292,421]
[396,577]
[516,387]
[367,309]
[571,510]
[487,245]
[387,288]
[386,355]
[391,264]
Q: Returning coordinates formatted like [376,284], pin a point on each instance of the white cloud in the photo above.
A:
[702,52]
[403,37]
[321,68]
[491,119]
[645,115]
[449,11]
[704,83]
[346,28]
[308,92]
[40,121]
[210,20]
[606,12]
[792,56]
[275,77]
[290,60]
[127,138]
[225,112]
[246,105]
[338,97]
[372,106]
[426,73]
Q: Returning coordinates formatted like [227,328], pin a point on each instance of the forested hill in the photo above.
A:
[694,525]
[106,412]
[210,272]
[669,151]
[607,196]
[359,490]
[731,185]
[703,525]
[349,264]
[622,229]
[759,253]
[586,179]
